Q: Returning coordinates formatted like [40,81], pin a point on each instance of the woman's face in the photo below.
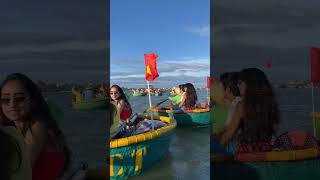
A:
[114,93]
[228,94]
[242,87]
[15,102]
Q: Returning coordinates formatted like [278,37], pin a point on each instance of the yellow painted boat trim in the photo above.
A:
[145,136]
[181,111]
[292,155]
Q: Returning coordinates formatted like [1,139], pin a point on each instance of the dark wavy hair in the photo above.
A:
[230,80]
[191,96]
[39,112]
[261,112]
[122,95]
[181,87]
[11,151]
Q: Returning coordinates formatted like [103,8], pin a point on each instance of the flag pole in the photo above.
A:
[150,103]
[149,94]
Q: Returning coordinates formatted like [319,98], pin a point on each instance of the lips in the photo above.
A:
[13,111]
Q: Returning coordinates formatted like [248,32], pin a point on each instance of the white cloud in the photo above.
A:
[203,31]
[54,47]
[195,67]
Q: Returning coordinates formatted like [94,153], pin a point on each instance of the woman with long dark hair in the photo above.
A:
[190,99]
[23,107]
[123,106]
[256,117]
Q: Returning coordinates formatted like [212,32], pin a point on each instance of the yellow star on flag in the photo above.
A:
[148,70]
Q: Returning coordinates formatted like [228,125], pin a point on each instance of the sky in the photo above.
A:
[177,30]
[249,33]
[54,40]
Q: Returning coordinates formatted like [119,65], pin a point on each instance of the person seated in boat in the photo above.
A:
[15,163]
[76,95]
[188,97]
[177,98]
[255,118]
[123,105]
[219,110]
[24,108]
[172,91]
[115,122]
[231,94]
[88,93]
[231,97]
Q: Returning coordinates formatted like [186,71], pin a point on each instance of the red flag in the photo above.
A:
[151,66]
[268,64]
[208,82]
[315,65]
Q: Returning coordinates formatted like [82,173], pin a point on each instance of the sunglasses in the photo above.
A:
[16,100]
[114,92]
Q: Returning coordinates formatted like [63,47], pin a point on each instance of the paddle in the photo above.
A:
[153,107]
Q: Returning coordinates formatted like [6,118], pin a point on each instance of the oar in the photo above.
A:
[153,107]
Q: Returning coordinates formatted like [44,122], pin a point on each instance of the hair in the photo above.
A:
[230,80]
[181,87]
[191,95]
[260,112]
[7,154]
[122,95]
[39,111]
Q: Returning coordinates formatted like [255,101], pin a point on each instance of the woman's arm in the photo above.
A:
[121,106]
[183,99]
[36,140]
[232,128]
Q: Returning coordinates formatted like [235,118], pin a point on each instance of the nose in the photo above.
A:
[12,103]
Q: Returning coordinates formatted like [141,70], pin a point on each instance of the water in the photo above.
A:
[295,106]
[189,153]
[85,131]
[188,156]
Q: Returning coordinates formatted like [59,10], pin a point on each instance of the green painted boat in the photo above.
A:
[139,94]
[282,165]
[133,155]
[90,105]
[196,117]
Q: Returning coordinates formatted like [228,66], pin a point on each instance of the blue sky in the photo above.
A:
[177,30]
